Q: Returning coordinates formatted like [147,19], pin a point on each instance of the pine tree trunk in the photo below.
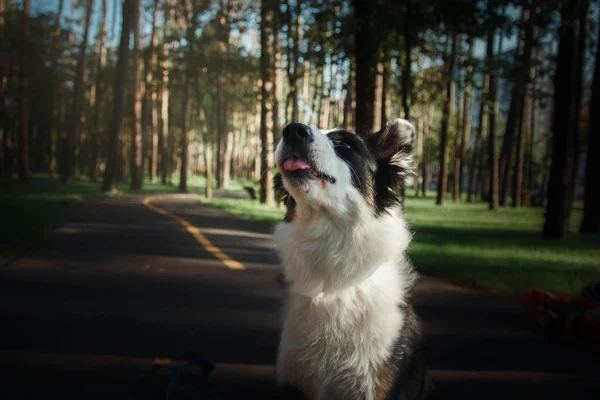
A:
[119,98]
[522,134]
[492,99]
[479,150]
[98,101]
[75,114]
[348,99]
[366,58]
[517,102]
[406,68]
[293,64]
[187,101]
[54,112]
[137,170]
[446,113]
[3,90]
[377,104]
[458,136]
[222,35]
[582,40]
[276,78]
[150,113]
[208,159]
[556,225]
[591,210]
[23,161]
[266,106]
[467,118]
[164,113]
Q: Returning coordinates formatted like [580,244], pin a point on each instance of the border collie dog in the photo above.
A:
[348,332]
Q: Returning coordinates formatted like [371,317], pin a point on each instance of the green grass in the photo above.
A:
[466,243]
[27,211]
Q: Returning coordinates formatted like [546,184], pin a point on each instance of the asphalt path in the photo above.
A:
[86,312]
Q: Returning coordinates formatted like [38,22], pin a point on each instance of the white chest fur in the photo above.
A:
[333,346]
[340,322]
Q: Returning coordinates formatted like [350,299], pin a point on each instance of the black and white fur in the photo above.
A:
[348,332]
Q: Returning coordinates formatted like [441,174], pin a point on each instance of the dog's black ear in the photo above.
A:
[283,196]
[392,148]
[394,143]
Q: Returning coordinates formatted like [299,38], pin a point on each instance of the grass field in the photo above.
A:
[502,250]
[466,243]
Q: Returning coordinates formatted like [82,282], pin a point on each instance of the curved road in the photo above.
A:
[83,315]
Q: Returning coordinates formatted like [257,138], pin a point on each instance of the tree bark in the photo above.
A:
[556,225]
[582,40]
[164,115]
[223,162]
[54,113]
[119,99]
[276,75]
[150,113]
[492,99]
[522,71]
[75,114]
[266,106]
[23,160]
[446,112]
[522,134]
[406,68]
[187,101]
[99,96]
[481,129]
[591,210]
[293,64]
[137,170]
[366,60]
[467,118]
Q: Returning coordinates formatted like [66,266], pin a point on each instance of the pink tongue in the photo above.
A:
[293,164]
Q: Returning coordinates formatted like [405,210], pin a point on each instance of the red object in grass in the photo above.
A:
[571,315]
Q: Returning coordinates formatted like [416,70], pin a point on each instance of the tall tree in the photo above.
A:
[579,79]
[266,105]
[191,18]
[465,132]
[23,160]
[149,111]
[591,210]
[136,164]
[406,67]
[78,86]
[53,112]
[558,210]
[99,96]
[492,103]
[513,123]
[116,121]
[164,97]
[223,31]
[479,149]
[446,112]
[366,60]
[294,72]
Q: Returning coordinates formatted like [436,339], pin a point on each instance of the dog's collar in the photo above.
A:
[371,274]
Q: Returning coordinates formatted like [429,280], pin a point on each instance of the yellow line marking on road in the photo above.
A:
[197,234]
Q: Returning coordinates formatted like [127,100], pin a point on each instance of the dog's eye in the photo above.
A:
[342,145]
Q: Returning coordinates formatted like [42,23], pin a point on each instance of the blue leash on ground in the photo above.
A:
[192,359]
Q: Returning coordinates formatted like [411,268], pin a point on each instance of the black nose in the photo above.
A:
[297,133]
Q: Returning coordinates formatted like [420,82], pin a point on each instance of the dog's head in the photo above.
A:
[341,172]
[343,194]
